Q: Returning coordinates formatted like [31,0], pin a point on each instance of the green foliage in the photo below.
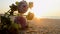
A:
[13,7]
[5,20]
[16,26]
[8,26]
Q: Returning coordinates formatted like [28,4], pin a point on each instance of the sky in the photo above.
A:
[41,8]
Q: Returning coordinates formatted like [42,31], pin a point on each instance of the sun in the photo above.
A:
[37,15]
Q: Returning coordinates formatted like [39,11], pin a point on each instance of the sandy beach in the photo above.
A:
[43,26]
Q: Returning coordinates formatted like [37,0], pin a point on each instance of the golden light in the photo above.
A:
[37,15]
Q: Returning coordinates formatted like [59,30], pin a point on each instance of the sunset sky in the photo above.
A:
[41,8]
